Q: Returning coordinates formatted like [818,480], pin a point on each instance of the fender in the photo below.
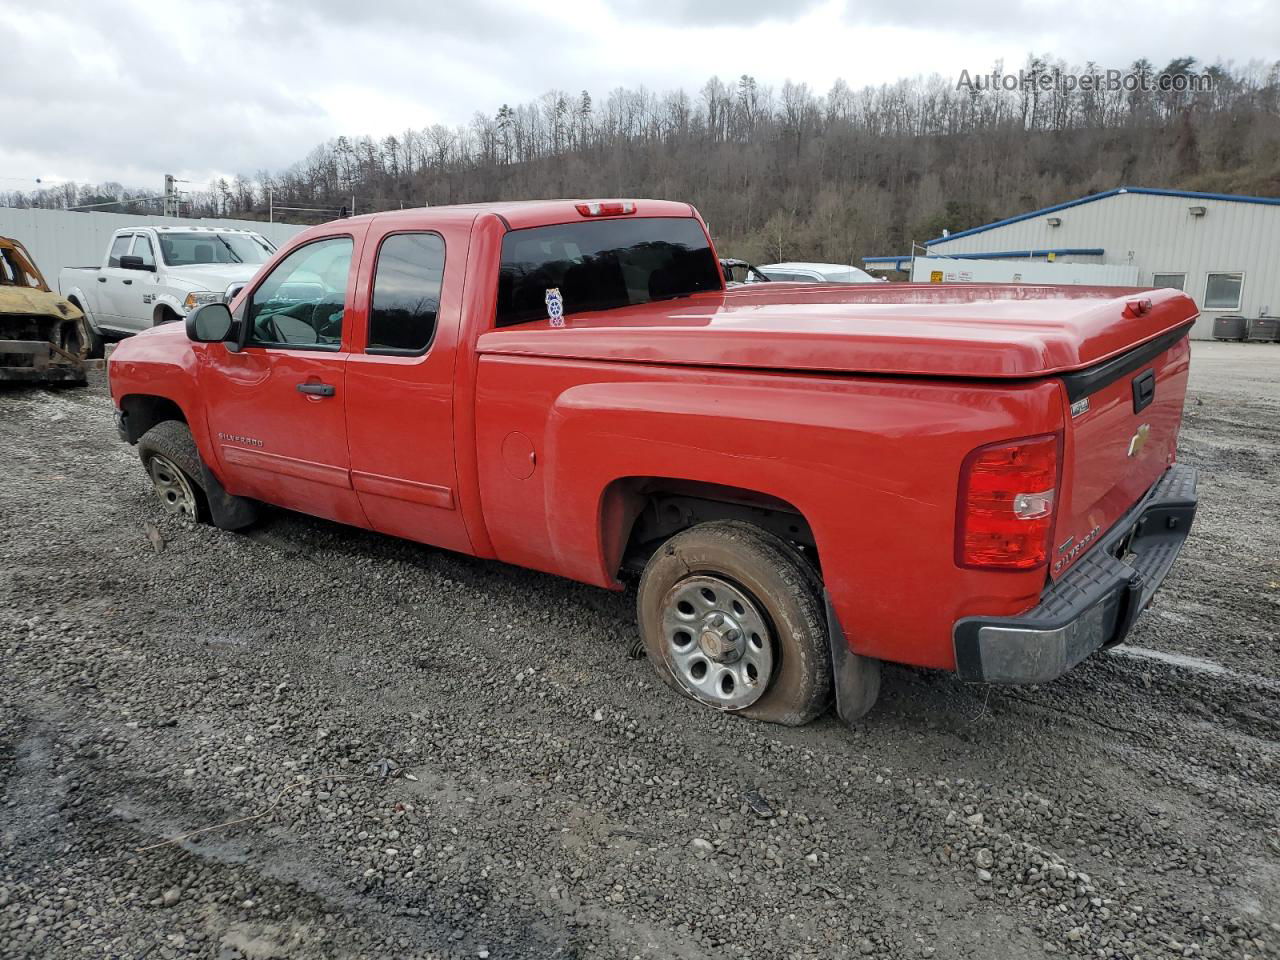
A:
[166,300]
[154,370]
[82,301]
[585,461]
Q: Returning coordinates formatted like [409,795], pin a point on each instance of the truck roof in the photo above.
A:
[192,229]
[531,213]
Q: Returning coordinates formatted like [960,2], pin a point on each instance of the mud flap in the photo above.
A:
[228,512]
[856,678]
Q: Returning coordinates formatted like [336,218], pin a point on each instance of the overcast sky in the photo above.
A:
[128,90]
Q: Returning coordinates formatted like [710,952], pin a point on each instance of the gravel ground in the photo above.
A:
[563,802]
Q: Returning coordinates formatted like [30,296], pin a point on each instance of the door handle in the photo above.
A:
[317,389]
[127,282]
[1144,390]
[102,279]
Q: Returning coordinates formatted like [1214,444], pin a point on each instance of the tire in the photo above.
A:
[168,452]
[754,578]
[93,342]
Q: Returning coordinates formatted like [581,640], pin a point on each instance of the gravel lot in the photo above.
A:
[566,803]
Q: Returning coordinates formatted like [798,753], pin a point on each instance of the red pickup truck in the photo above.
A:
[808,479]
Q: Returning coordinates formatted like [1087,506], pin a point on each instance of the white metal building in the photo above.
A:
[65,238]
[1222,249]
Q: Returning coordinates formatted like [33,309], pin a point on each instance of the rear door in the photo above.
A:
[276,407]
[1122,434]
[400,378]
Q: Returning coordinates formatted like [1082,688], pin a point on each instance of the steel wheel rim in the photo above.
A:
[717,642]
[172,486]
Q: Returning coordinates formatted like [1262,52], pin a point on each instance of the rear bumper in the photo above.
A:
[1092,606]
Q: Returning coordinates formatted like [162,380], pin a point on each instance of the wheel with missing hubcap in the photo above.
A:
[732,616]
[721,651]
[169,454]
[172,487]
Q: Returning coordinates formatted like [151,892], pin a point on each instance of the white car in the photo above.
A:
[153,275]
[816,273]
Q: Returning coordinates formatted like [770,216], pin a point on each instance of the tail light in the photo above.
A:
[1008,495]
[606,208]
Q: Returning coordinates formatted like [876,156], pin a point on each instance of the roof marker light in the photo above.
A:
[606,208]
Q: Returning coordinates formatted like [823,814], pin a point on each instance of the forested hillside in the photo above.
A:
[791,173]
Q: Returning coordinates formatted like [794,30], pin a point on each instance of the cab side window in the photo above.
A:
[119,247]
[406,293]
[142,248]
[301,302]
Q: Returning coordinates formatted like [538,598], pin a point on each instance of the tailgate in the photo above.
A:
[1121,435]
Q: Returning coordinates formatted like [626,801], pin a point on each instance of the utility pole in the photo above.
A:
[271,206]
[170,196]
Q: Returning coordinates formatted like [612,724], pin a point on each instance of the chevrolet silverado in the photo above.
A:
[807,479]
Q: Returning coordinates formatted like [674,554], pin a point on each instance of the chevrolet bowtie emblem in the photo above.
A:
[1139,440]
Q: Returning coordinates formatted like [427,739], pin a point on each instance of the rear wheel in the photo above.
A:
[733,617]
[169,454]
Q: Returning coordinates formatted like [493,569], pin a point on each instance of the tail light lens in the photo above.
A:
[1008,498]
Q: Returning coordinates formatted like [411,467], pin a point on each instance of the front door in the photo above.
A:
[136,299]
[112,299]
[277,406]
[400,382]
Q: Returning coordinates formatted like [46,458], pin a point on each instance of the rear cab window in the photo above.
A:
[602,265]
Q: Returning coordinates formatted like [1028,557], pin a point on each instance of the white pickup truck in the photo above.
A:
[153,275]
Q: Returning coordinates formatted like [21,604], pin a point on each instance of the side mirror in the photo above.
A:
[210,323]
[129,262]
[232,291]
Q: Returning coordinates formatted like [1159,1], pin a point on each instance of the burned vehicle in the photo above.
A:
[43,338]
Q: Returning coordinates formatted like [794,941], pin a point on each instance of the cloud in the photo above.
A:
[127,101]
[735,13]
[129,90]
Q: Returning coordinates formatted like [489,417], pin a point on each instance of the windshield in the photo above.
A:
[602,264]
[847,275]
[190,249]
[16,270]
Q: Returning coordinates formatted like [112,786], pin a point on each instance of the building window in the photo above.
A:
[1174,281]
[1222,291]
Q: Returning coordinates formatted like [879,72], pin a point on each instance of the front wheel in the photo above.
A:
[169,454]
[88,341]
[733,617]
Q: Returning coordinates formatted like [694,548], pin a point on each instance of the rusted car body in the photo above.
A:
[43,338]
